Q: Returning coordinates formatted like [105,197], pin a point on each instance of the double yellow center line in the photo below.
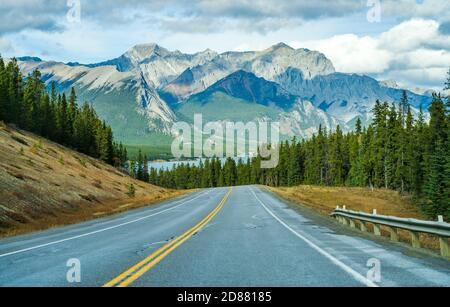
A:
[136,271]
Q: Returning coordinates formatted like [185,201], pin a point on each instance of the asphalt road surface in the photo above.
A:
[243,236]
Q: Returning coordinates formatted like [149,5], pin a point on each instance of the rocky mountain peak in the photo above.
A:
[143,51]
[389,83]
[207,52]
[280,47]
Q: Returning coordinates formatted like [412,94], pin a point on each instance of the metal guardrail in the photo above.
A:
[392,224]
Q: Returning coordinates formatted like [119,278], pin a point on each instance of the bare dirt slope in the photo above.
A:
[43,184]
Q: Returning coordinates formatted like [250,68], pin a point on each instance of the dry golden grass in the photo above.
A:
[325,200]
[387,202]
[43,185]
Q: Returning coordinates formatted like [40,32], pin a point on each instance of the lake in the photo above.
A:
[168,165]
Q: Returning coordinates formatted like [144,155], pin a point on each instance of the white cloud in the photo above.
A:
[174,15]
[428,78]
[351,54]
[205,16]
[413,34]
[414,52]
[425,58]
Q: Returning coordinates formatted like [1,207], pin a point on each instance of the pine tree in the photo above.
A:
[447,81]
[380,112]
[409,148]
[356,159]
[419,148]
[3,91]
[153,177]
[133,170]
[369,152]
[405,123]
[206,175]
[29,101]
[295,169]
[218,173]
[61,119]
[435,186]
[336,158]
[14,90]
[105,143]
[358,128]
[48,117]
[392,148]
[71,112]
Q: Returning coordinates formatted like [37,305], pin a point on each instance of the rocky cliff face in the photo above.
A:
[267,64]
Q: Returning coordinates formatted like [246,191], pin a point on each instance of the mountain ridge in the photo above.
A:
[140,91]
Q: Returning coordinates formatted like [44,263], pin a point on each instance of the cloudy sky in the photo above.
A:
[405,40]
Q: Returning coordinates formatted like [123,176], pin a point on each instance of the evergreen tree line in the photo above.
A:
[397,151]
[139,168]
[27,104]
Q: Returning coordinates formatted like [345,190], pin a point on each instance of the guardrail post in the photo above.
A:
[344,221]
[443,241]
[377,230]
[415,242]
[394,235]
[352,223]
[363,226]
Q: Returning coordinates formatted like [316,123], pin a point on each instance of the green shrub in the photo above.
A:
[131,191]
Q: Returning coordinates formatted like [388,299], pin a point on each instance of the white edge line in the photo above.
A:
[333,259]
[103,229]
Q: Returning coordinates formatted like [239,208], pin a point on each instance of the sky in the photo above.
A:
[404,40]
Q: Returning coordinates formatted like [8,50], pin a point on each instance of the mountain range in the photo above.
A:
[148,88]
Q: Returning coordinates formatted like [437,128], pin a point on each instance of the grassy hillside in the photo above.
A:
[43,184]
[325,200]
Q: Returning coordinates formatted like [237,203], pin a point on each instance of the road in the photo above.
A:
[243,236]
